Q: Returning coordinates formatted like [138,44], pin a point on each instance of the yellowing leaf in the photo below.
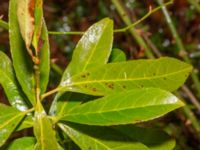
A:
[25,15]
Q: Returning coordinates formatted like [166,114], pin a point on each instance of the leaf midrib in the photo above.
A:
[127,79]
[10,120]
[116,110]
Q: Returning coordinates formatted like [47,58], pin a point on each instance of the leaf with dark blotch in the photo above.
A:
[126,107]
[9,83]
[26,20]
[9,119]
[24,143]
[154,139]
[165,73]
[21,60]
[100,138]
[117,55]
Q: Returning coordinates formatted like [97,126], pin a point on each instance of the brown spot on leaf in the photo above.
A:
[124,86]
[31,8]
[94,89]
[83,76]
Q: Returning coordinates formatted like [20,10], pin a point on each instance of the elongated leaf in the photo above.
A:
[117,55]
[92,50]
[9,119]
[165,73]
[44,59]
[25,143]
[152,138]
[27,122]
[127,107]
[26,19]
[21,60]
[38,18]
[45,135]
[8,81]
[100,138]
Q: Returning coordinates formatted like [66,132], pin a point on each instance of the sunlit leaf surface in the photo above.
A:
[165,73]
[126,107]
[21,60]
[8,81]
[9,119]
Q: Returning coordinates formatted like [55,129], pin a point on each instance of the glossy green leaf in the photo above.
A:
[9,119]
[100,138]
[92,50]
[27,122]
[21,60]
[126,107]
[44,59]
[44,133]
[152,138]
[165,73]
[8,81]
[117,55]
[24,143]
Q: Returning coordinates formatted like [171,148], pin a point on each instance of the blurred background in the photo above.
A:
[172,31]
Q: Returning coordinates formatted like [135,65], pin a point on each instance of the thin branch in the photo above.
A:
[4,24]
[151,11]
[190,95]
[50,93]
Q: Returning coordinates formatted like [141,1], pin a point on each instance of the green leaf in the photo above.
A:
[117,55]
[9,119]
[38,19]
[44,133]
[8,81]
[24,143]
[152,138]
[27,122]
[44,59]
[126,107]
[100,138]
[21,60]
[92,50]
[165,73]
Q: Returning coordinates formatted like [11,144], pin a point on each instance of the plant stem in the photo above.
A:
[66,33]
[190,95]
[133,31]
[50,93]
[189,114]
[29,110]
[151,11]
[4,24]
[179,43]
